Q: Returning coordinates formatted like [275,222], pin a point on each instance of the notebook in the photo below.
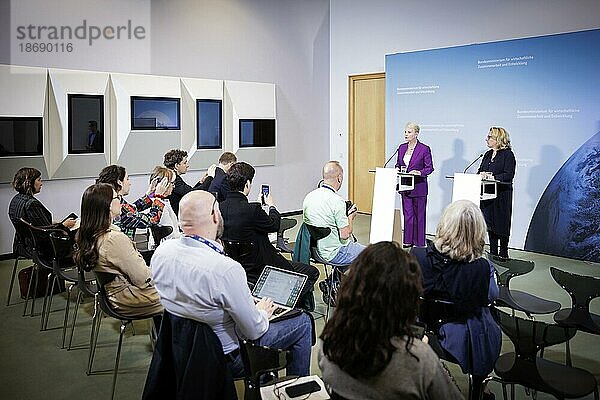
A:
[283,286]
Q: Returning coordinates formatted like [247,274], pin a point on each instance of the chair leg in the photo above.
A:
[327,274]
[33,273]
[12,280]
[94,341]
[78,300]
[504,394]
[48,301]
[66,319]
[114,384]
[568,354]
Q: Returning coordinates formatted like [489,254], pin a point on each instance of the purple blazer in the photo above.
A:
[421,161]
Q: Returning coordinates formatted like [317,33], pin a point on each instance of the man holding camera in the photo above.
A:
[324,207]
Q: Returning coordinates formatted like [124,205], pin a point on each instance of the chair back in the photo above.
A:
[582,289]
[42,252]
[435,312]
[508,268]
[530,336]
[258,361]
[160,232]
[62,249]
[317,233]
[102,279]
[23,243]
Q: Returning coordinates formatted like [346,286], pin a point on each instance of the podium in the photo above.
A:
[473,187]
[384,213]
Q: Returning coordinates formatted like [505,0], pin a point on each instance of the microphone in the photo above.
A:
[386,163]
[474,161]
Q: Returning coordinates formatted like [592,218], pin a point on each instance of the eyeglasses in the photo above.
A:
[491,137]
[212,210]
[116,198]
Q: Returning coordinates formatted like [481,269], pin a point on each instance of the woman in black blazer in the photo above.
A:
[498,163]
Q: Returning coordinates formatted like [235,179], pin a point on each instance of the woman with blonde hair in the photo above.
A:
[168,216]
[453,270]
[498,163]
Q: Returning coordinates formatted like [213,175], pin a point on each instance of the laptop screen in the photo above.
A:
[282,286]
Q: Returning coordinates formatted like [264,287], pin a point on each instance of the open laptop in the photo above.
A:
[283,286]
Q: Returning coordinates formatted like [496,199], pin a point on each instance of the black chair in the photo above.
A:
[282,243]
[240,252]
[524,367]
[582,289]
[21,252]
[159,233]
[332,279]
[64,268]
[259,361]
[517,299]
[102,279]
[86,283]
[188,363]
[434,313]
[42,258]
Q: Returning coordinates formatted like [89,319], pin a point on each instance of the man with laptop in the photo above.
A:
[196,280]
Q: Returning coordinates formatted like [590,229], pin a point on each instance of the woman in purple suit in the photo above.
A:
[415,158]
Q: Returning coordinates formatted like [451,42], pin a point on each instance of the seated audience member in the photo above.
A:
[196,280]
[247,222]
[177,160]
[168,217]
[368,347]
[324,207]
[219,184]
[131,217]
[102,247]
[28,182]
[453,269]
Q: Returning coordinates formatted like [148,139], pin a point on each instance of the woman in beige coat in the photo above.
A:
[104,248]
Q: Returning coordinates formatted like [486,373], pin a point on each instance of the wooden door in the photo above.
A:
[366,136]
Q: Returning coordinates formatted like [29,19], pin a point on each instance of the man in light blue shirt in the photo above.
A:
[324,207]
[196,280]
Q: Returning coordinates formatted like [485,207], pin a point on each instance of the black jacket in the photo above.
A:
[248,222]
[180,189]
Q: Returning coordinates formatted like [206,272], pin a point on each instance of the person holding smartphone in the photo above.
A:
[376,309]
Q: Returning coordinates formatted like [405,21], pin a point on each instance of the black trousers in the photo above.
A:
[502,240]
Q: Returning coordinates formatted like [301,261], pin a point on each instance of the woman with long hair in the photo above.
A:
[102,246]
[454,270]
[369,347]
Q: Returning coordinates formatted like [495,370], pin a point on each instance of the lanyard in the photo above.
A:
[206,242]
[328,187]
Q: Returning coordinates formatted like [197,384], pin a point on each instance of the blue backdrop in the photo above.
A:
[545,92]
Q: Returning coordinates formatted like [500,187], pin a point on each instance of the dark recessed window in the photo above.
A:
[257,132]
[86,123]
[20,136]
[209,127]
[154,113]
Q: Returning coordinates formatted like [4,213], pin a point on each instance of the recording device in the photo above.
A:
[264,190]
[70,216]
[388,160]
[474,161]
[302,389]
[349,206]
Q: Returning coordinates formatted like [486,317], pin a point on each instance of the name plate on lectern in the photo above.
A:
[405,181]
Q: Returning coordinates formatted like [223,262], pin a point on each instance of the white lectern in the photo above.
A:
[383,215]
[472,187]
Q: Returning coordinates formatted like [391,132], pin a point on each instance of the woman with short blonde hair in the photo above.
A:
[453,270]
[461,231]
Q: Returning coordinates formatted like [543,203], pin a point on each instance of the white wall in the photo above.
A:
[362,33]
[285,42]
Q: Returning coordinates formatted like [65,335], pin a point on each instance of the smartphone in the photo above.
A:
[302,389]
[418,330]
[70,216]
[264,190]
